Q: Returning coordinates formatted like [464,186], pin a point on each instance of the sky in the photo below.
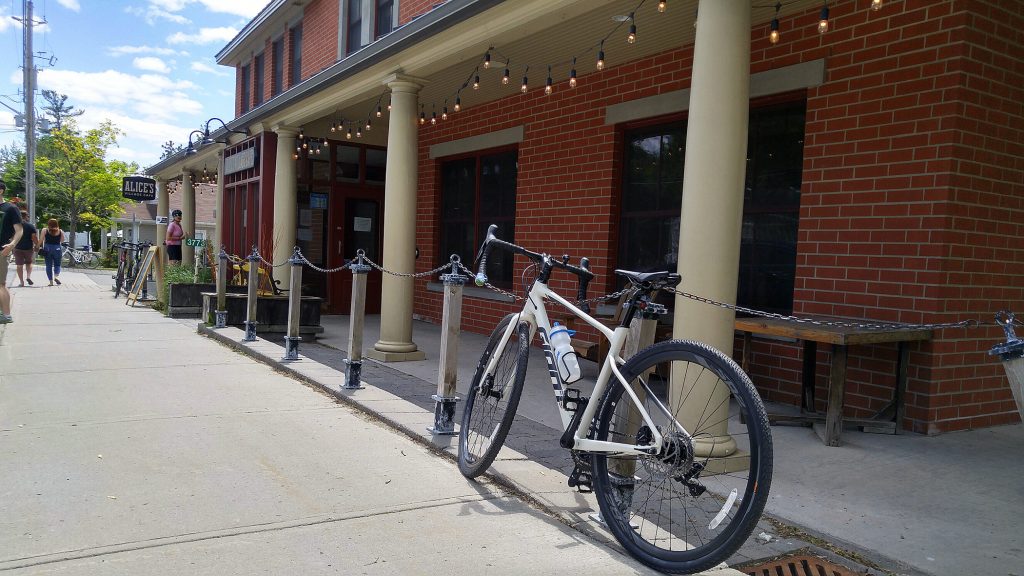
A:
[146,65]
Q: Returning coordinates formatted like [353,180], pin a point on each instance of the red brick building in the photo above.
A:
[884,173]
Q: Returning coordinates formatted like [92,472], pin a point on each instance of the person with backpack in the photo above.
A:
[10,235]
[25,251]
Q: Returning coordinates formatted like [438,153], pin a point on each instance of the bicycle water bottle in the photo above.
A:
[565,357]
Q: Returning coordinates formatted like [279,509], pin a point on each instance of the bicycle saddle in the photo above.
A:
[654,279]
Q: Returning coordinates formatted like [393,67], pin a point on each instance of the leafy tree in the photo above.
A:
[12,170]
[58,110]
[76,179]
[170,149]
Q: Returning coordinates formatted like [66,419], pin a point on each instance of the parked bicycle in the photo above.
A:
[71,257]
[676,445]
[129,257]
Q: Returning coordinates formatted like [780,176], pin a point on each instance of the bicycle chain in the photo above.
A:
[833,323]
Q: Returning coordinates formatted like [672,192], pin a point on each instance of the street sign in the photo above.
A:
[195,242]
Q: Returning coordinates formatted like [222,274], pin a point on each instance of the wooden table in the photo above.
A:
[839,338]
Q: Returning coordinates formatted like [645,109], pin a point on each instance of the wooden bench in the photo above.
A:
[840,338]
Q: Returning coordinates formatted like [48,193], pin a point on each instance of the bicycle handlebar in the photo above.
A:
[582,272]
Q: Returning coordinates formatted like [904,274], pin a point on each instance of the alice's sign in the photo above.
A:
[139,188]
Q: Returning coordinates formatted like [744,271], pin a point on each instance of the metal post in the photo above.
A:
[292,339]
[222,289]
[355,324]
[448,371]
[254,280]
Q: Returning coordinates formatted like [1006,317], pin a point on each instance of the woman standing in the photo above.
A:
[51,250]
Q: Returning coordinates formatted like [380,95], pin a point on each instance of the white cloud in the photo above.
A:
[245,8]
[145,97]
[122,50]
[6,21]
[151,64]
[153,14]
[204,36]
[72,5]
[208,69]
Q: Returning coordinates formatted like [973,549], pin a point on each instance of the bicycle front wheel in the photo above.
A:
[67,260]
[90,260]
[688,507]
[493,397]
[119,280]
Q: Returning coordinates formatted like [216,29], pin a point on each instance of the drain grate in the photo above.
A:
[802,565]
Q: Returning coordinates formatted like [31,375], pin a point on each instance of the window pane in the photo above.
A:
[277,84]
[296,55]
[376,162]
[346,167]
[385,8]
[257,72]
[458,191]
[354,29]
[246,95]
[498,186]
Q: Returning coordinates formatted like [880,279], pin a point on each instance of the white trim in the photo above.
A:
[505,137]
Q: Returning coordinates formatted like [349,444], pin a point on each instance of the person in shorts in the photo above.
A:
[10,235]
[173,239]
[25,251]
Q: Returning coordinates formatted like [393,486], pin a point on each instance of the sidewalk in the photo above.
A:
[130,445]
[912,504]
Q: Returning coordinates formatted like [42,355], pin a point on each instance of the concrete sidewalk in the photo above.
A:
[130,445]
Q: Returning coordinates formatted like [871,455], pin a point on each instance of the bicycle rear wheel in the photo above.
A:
[90,260]
[691,505]
[119,280]
[67,260]
[493,398]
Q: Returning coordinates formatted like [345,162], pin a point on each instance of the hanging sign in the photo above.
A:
[139,188]
[242,160]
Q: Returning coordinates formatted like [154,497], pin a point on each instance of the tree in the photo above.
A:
[58,110]
[170,149]
[76,179]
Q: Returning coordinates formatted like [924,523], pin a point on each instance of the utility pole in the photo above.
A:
[30,113]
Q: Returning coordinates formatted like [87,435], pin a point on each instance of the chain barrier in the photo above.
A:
[833,323]
[272,265]
[404,275]
[344,266]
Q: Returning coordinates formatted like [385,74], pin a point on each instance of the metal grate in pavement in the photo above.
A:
[802,565]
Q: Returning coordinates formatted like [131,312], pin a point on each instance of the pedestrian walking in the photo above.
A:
[52,238]
[173,239]
[10,235]
[25,250]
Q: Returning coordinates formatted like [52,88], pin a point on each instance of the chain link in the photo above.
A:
[834,323]
[323,270]
[272,265]
[404,275]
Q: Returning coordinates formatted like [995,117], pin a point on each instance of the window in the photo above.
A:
[257,73]
[246,97]
[476,192]
[296,55]
[277,63]
[652,192]
[354,26]
[385,18]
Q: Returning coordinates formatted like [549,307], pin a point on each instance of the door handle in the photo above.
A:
[339,248]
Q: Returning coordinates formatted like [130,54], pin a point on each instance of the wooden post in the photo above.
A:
[448,370]
[355,323]
[254,280]
[836,393]
[222,289]
[292,338]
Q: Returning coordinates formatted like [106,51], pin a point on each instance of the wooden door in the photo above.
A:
[356,223]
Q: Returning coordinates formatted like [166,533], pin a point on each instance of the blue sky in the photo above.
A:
[147,65]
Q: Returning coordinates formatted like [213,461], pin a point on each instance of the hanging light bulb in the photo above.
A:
[389,105]
[661,6]
[458,103]
[572,74]
[359,133]
[823,22]
[600,57]
[547,85]
[525,88]
[368,125]
[433,117]
[773,35]
[295,156]
[305,145]
[423,117]
[348,135]
[301,136]
[487,60]
[505,77]
[876,5]
[631,37]
[476,82]
[444,112]
[334,127]
[379,112]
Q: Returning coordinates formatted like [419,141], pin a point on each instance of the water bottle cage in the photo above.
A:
[561,360]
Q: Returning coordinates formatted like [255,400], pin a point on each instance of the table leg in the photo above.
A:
[901,385]
[807,376]
[745,358]
[836,392]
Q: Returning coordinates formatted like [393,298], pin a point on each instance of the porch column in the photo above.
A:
[188,216]
[712,206]
[218,216]
[162,209]
[285,203]
[395,342]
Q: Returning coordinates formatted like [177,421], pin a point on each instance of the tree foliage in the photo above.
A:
[170,149]
[58,110]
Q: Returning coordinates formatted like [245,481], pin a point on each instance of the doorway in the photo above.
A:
[355,225]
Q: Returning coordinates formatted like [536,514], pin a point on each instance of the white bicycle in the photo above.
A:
[677,445]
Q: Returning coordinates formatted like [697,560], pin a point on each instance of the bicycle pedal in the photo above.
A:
[573,400]
[582,481]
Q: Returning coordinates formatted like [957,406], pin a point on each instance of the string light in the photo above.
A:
[389,104]
[423,117]
[458,103]
[505,77]
[433,115]
[773,36]
[572,74]
[823,22]
[661,6]
[487,60]
[379,112]
[600,57]
[334,127]
[547,86]
[524,88]
[476,80]
[876,5]
[631,38]
[359,133]
[348,135]
[368,125]
[444,112]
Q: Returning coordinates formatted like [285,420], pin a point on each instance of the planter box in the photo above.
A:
[271,313]
[186,300]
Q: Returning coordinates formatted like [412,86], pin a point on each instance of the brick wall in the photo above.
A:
[911,198]
[319,36]
[409,9]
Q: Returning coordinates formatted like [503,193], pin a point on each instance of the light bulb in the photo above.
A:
[359,133]
[505,79]
[368,125]
[389,106]
[631,38]
[548,89]
[334,128]
[773,36]
[458,103]
[600,60]
[305,146]
[487,60]
[348,135]
[295,156]
[433,118]
[423,119]
[876,5]
[476,82]
[444,113]
[524,88]
[661,6]
[379,112]
[823,22]
[572,78]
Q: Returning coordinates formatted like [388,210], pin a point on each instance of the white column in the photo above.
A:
[395,342]
[285,203]
[712,206]
[188,216]
[218,230]
[162,209]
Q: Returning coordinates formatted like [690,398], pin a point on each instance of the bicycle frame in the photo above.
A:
[535,314]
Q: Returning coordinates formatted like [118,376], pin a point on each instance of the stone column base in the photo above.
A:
[383,356]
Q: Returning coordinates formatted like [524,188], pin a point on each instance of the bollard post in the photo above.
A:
[222,289]
[292,339]
[254,280]
[355,323]
[448,371]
